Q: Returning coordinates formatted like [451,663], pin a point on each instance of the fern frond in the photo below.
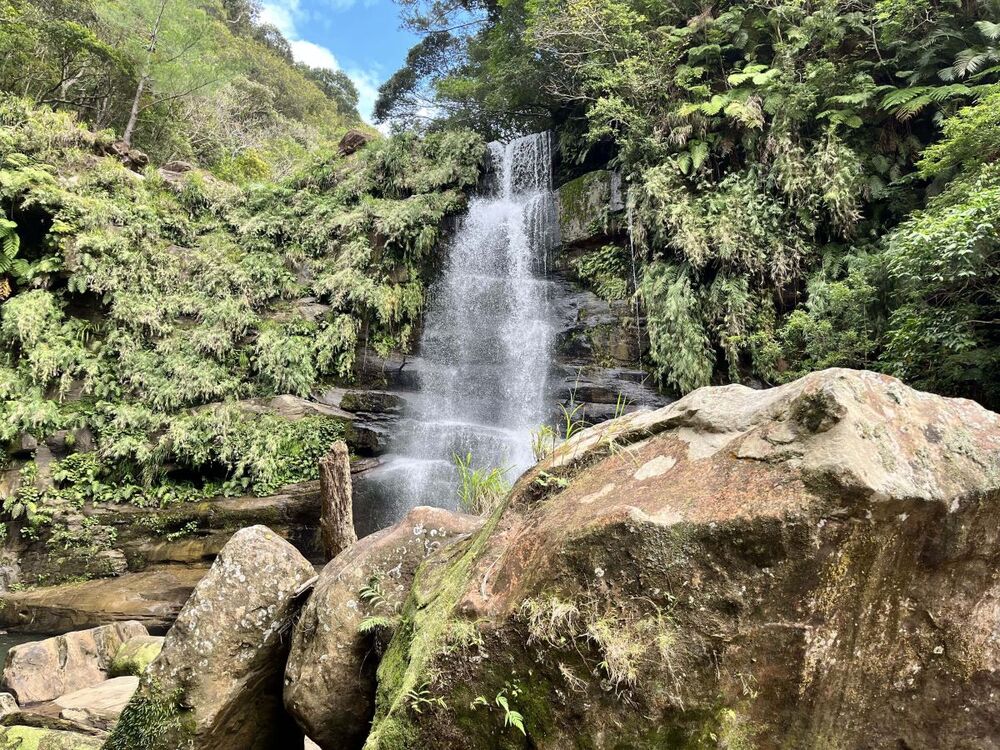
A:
[372,625]
[989,30]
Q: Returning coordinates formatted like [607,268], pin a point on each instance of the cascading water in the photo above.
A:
[486,348]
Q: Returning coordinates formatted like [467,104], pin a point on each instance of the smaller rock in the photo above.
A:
[132,158]
[177,166]
[354,140]
[370,438]
[8,705]
[98,706]
[23,444]
[136,654]
[220,670]
[373,402]
[43,670]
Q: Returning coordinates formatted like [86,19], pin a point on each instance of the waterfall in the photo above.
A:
[486,347]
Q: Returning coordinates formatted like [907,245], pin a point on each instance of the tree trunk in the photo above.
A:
[133,117]
[337,511]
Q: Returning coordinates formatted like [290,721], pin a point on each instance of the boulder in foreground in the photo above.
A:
[330,677]
[811,566]
[216,684]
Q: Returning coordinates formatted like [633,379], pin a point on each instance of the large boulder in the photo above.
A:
[216,685]
[43,670]
[811,566]
[330,678]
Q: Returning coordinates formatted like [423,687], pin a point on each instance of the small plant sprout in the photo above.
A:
[382,619]
[544,440]
[621,405]
[420,699]
[572,419]
[511,718]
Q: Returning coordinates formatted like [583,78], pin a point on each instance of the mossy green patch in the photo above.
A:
[34,738]
[135,655]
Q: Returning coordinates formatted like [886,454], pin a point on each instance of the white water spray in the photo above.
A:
[486,348]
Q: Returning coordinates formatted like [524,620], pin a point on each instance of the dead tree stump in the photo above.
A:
[337,512]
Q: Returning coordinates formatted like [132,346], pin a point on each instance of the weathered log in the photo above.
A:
[337,512]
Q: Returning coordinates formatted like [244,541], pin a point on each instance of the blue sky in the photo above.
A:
[361,37]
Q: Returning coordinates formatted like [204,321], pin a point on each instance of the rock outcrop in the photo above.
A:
[354,140]
[152,597]
[811,566]
[330,678]
[44,670]
[217,683]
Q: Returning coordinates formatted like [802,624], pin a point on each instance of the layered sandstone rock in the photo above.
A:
[44,670]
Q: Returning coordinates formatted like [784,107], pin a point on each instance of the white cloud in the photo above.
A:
[281,14]
[313,55]
[286,16]
[367,84]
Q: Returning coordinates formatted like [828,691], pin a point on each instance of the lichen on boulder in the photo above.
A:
[810,566]
[216,684]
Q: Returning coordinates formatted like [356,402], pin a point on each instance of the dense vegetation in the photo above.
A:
[135,301]
[810,184]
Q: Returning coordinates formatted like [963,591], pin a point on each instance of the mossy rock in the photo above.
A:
[34,738]
[135,655]
[695,578]
[584,205]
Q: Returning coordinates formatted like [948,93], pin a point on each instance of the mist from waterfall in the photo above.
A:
[487,341]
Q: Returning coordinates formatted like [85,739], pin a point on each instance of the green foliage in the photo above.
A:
[161,316]
[606,271]
[205,83]
[677,334]
[147,718]
[946,264]
[501,701]
[480,490]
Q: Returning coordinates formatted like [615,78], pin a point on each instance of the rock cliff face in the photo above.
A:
[811,566]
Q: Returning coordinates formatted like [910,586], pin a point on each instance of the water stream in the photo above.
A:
[486,347]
